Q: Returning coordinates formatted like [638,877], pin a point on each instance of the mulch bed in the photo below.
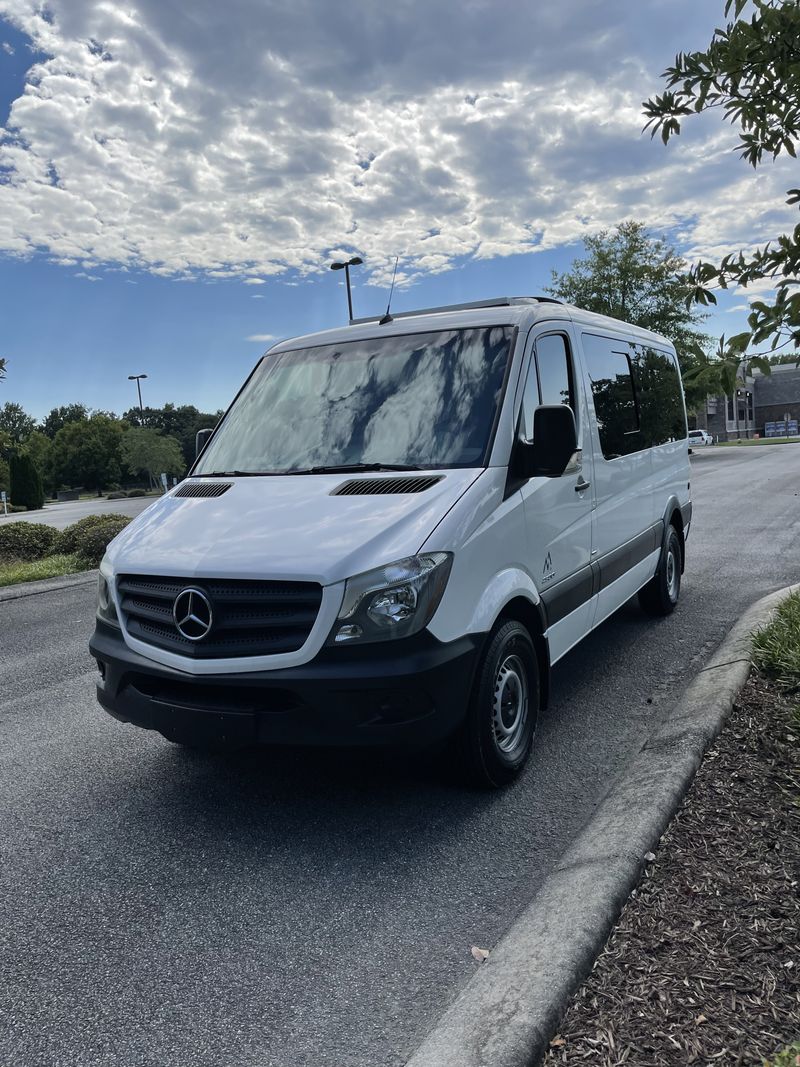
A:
[704,965]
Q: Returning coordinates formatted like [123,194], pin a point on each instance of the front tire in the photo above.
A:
[661,593]
[496,737]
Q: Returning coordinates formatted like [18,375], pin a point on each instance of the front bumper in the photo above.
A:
[411,692]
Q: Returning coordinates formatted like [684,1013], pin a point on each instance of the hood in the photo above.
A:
[287,527]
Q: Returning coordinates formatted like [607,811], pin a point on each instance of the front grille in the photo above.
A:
[383,486]
[250,618]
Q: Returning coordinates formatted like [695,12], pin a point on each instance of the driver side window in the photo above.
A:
[550,379]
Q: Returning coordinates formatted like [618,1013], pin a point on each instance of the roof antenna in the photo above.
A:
[387,317]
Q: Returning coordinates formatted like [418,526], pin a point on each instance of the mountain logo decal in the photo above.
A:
[548,573]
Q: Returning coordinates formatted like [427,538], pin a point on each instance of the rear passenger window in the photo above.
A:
[550,379]
[660,402]
[608,363]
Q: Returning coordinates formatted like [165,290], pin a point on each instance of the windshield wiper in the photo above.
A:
[236,474]
[357,468]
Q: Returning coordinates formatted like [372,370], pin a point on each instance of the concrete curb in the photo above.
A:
[47,585]
[507,1013]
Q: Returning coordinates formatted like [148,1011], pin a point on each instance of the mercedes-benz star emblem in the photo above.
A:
[192,614]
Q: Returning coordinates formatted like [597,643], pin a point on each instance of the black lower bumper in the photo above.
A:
[406,693]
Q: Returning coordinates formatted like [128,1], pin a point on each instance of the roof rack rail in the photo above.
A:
[493,302]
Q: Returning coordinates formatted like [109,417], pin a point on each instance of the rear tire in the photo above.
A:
[496,737]
[661,593]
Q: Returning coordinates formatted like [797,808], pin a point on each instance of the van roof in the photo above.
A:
[522,311]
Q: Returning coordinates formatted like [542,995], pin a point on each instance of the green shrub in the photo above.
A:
[137,492]
[26,482]
[86,535]
[118,494]
[26,540]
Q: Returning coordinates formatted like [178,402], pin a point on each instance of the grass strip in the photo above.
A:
[12,573]
[776,646]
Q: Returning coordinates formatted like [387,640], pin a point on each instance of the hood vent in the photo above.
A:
[203,489]
[383,486]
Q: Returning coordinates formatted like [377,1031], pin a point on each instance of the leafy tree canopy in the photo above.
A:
[146,450]
[60,416]
[181,422]
[87,453]
[40,449]
[631,275]
[751,70]
[16,422]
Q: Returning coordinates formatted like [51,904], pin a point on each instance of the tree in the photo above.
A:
[26,484]
[59,417]
[751,69]
[2,369]
[16,422]
[152,453]
[40,449]
[724,370]
[630,275]
[87,453]
[181,422]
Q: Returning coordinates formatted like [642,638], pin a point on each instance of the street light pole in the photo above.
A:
[138,379]
[356,261]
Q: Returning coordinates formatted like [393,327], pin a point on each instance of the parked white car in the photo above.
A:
[396,530]
[700,437]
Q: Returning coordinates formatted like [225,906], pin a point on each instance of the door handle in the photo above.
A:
[581,484]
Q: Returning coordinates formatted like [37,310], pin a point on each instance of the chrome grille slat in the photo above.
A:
[250,618]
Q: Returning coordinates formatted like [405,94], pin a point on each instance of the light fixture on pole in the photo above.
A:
[138,379]
[356,261]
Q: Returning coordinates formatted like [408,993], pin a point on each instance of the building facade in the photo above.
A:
[764,406]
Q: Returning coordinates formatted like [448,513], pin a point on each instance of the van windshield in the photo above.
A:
[423,400]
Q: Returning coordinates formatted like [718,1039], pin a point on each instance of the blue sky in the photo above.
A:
[172,188]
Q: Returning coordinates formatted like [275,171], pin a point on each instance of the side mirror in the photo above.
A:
[555,441]
[201,439]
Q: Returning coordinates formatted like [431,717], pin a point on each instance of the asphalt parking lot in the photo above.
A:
[64,514]
[302,908]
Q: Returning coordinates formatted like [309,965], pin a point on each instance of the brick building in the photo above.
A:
[768,405]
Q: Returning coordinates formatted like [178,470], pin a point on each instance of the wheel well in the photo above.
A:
[676,520]
[522,610]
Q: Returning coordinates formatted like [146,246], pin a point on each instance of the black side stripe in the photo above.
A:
[614,564]
[570,593]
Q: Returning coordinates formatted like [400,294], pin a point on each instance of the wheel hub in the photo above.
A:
[510,707]
[672,575]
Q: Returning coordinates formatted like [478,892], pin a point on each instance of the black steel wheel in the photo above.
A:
[496,738]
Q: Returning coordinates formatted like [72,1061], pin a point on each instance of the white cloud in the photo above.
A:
[278,137]
[261,337]
[7,48]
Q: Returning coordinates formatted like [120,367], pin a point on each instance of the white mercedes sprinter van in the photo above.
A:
[397,528]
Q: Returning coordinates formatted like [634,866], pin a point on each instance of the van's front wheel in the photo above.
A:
[496,737]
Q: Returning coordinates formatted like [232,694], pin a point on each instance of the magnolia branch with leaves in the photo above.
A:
[751,70]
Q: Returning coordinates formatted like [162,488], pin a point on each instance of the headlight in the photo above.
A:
[392,601]
[105,603]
